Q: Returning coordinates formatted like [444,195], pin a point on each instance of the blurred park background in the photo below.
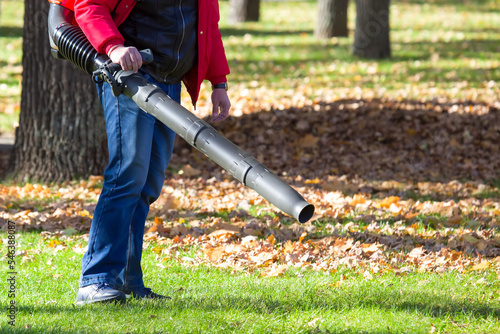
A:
[394,142]
[441,49]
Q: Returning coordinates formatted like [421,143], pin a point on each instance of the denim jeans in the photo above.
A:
[140,148]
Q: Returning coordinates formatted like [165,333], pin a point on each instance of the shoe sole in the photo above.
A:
[103,301]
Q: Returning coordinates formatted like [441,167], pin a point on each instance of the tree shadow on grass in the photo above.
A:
[238,32]
[314,52]
[466,48]
[7,31]
[425,304]
[295,60]
[42,330]
[346,298]
[483,5]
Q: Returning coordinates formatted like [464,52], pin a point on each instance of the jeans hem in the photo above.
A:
[96,280]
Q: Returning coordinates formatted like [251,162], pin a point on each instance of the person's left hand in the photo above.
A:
[221,105]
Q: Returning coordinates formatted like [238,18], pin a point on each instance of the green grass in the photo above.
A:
[209,300]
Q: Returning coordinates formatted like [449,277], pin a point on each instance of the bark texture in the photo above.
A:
[371,37]
[332,19]
[244,11]
[61,133]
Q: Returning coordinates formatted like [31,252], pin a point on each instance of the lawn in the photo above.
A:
[210,300]
[368,263]
[399,157]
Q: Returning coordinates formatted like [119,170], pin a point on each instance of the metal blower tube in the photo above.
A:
[202,136]
[195,131]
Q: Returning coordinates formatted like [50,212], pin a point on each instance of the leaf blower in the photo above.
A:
[69,42]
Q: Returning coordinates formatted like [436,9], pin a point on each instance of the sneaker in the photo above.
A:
[96,293]
[145,293]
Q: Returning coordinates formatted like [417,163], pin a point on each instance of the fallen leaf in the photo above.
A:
[470,239]
[189,171]
[388,201]
[453,221]
[416,253]
[214,254]
[275,271]
[308,141]
[481,266]
[263,258]
[357,199]
[303,235]
[313,323]
[218,234]
[157,226]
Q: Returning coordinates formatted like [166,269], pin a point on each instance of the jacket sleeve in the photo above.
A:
[218,67]
[94,18]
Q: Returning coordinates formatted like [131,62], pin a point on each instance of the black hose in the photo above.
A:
[70,42]
[75,47]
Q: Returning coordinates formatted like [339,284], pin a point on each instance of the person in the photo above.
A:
[187,46]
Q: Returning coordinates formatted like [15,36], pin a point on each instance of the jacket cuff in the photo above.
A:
[218,80]
[109,44]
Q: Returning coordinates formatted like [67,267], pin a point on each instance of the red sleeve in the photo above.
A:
[94,18]
[218,67]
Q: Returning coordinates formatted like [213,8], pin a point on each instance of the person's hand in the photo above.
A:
[129,57]
[221,105]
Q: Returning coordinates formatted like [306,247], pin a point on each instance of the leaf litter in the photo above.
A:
[386,177]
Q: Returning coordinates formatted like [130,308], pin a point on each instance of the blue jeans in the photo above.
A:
[140,148]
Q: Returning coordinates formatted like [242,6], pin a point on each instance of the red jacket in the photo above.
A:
[99,20]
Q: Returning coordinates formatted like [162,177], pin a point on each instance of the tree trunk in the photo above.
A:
[61,133]
[332,19]
[244,11]
[371,37]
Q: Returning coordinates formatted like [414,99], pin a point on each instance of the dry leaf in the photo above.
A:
[388,201]
[214,254]
[357,199]
[313,323]
[264,258]
[289,247]
[453,221]
[416,253]
[189,171]
[249,240]
[308,141]
[369,249]
[470,239]
[481,266]
[482,245]
[222,234]
[302,237]
[274,271]
[157,226]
